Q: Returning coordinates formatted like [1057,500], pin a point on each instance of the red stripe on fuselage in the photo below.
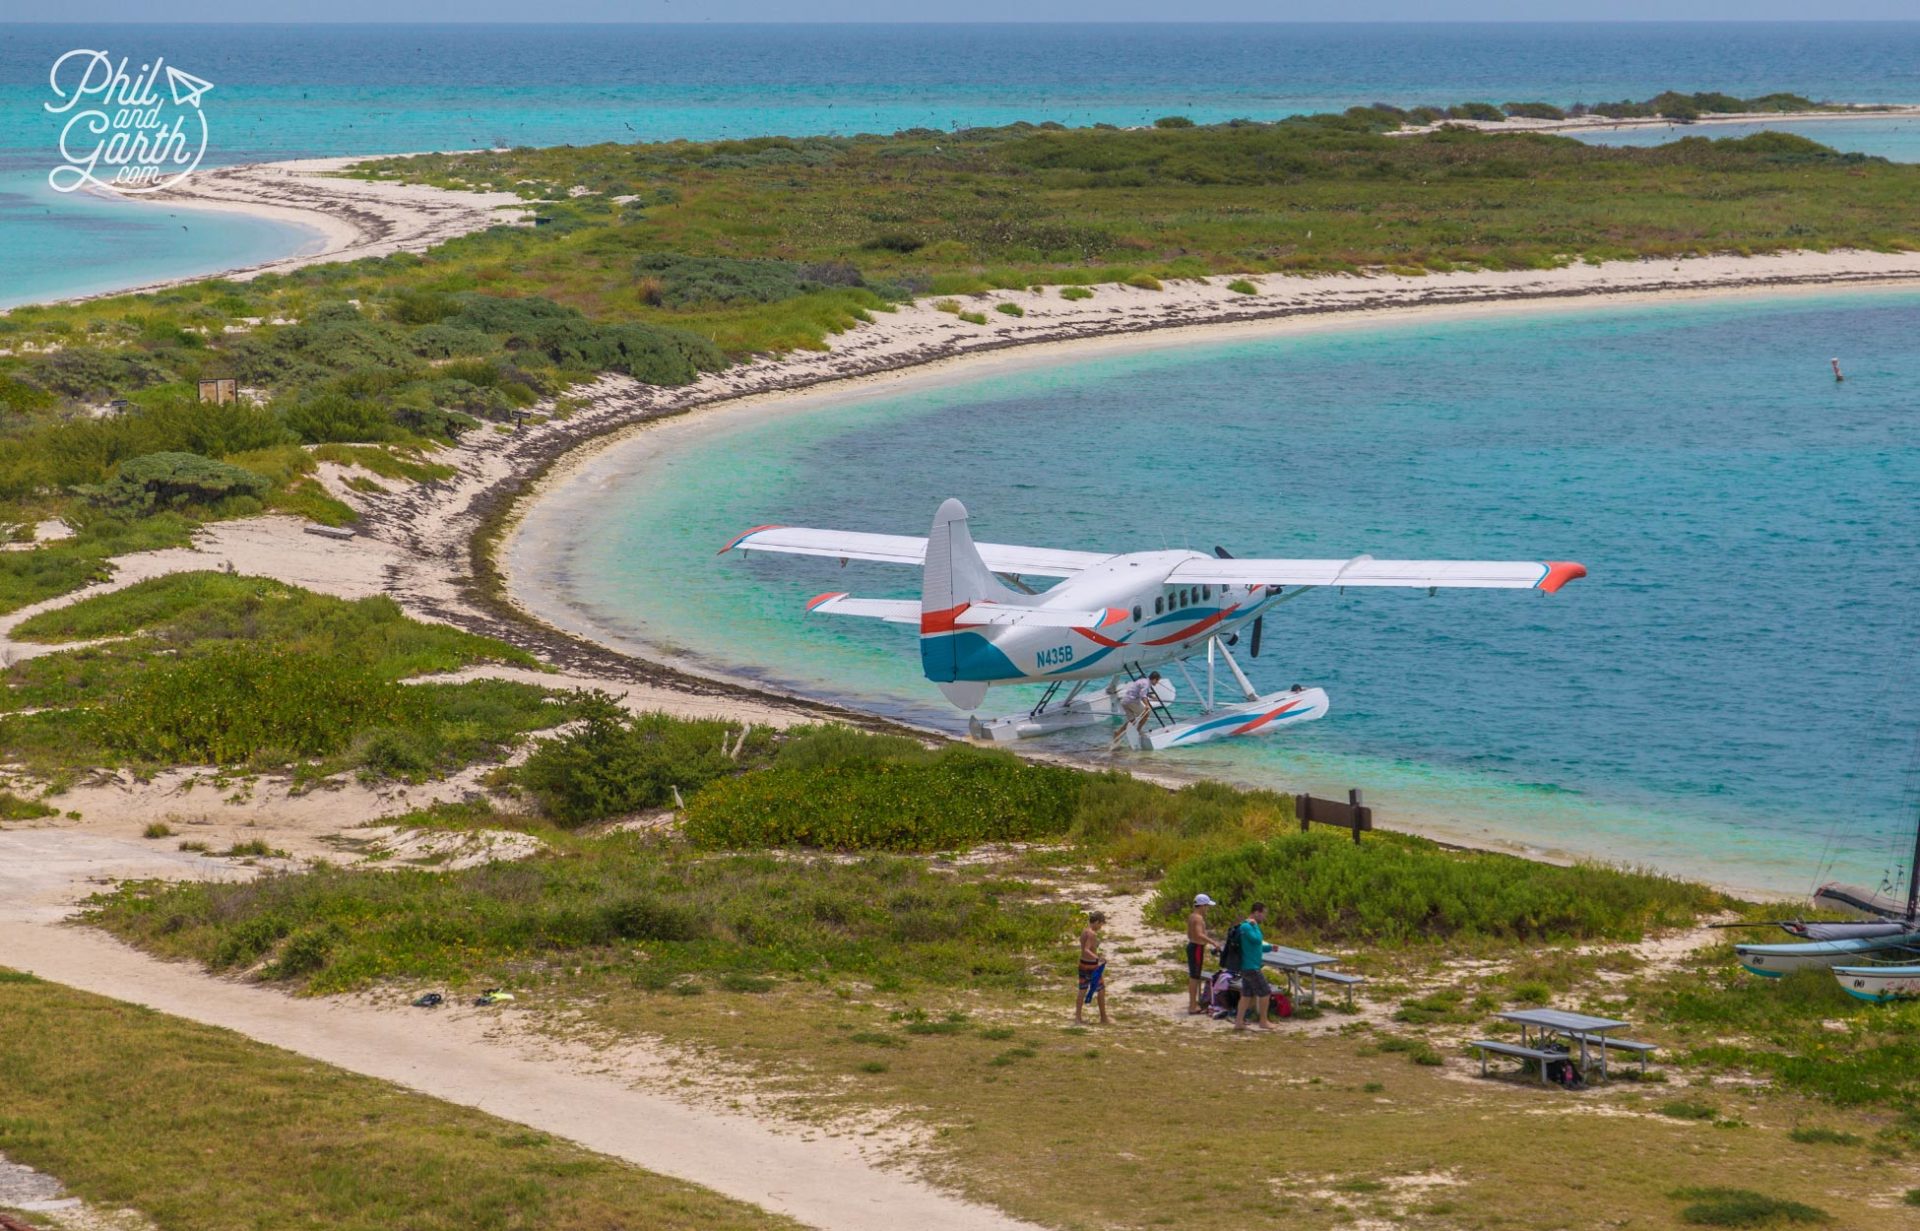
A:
[1202,626]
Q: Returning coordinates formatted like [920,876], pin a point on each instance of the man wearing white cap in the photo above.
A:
[1198,938]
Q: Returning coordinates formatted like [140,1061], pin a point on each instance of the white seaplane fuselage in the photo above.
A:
[1148,622]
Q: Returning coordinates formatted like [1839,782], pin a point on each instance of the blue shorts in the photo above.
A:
[1091,978]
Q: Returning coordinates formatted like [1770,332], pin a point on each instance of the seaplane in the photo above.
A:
[1110,620]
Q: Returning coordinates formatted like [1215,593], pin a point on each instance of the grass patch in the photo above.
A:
[644,915]
[157,829]
[1009,309]
[293,1143]
[1240,286]
[1076,292]
[231,670]
[254,848]
[1815,1135]
[1742,1207]
[1688,1109]
[14,808]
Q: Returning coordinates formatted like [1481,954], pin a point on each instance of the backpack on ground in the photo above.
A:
[1282,1005]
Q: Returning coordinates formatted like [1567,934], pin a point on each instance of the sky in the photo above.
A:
[943,11]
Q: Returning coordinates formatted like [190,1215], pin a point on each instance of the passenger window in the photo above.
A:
[1206,592]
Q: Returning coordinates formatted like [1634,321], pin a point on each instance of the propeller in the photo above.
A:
[1259,622]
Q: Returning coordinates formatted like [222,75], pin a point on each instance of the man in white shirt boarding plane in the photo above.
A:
[1136,702]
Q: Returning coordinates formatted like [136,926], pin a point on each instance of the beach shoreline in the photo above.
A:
[1601,123]
[351,218]
[520,594]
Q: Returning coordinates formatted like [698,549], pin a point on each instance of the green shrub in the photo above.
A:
[1076,292]
[1535,111]
[974,318]
[175,480]
[947,305]
[1396,888]
[1173,121]
[1145,282]
[157,829]
[1240,286]
[960,797]
[1486,112]
[616,763]
[1742,1207]
[1010,309]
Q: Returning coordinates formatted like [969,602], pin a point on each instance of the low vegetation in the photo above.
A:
[1398,889]
[210,1130]
[651,917]
[217,669]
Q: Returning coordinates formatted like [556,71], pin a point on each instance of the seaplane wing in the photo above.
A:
[1366,571]
[907,549]
[892,610]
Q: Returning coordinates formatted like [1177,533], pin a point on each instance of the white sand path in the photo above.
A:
[468,1059]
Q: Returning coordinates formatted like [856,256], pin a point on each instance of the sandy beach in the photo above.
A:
[353,218]
[1601,123]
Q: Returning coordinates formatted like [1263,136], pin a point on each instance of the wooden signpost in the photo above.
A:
[1352,815]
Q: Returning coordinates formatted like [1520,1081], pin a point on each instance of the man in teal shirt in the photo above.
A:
[1253,979]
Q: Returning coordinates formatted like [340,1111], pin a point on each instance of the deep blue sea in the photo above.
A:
[1730,693]
[285,91]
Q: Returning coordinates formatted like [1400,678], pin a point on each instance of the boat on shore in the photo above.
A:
[1879,983]
[1888,929]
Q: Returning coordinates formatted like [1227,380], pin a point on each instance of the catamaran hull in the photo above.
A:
[1879,983]
[1772,961]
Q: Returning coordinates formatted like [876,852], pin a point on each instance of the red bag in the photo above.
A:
[1282,1005]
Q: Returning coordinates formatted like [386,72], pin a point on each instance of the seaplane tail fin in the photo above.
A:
[955,577]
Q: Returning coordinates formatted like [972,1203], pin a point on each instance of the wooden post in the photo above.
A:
[1362,817]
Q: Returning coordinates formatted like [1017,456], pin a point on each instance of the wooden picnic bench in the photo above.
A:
[1517,1050]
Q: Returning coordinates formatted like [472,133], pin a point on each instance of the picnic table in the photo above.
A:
[1581,1029]
[1301,962]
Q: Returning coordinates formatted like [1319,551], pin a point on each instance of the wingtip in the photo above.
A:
[738,539]
[828,597]
[1559,573]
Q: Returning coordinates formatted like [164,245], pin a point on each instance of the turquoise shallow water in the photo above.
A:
[1744,648]
[284,91]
